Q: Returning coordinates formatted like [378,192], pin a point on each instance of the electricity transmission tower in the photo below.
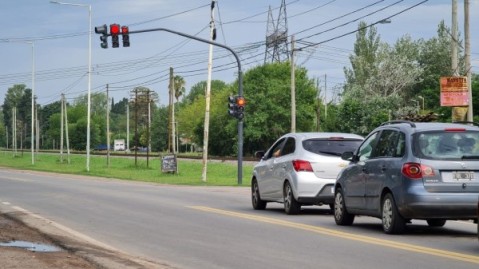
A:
[277,36]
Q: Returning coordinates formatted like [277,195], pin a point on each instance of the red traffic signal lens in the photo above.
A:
[124,30]
[114,29]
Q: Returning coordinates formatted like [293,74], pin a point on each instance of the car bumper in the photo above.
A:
[440,206]
[313,190]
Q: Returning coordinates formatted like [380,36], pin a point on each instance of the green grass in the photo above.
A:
[189,171]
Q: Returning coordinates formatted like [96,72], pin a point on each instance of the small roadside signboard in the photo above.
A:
[454,91]
[169,163]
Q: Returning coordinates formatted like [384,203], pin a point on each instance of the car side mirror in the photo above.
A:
[259,154]
[347,156]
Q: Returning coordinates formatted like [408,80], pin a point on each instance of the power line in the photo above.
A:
[351,21]
[365,27]
[312,9]
[339,17]
[168,16]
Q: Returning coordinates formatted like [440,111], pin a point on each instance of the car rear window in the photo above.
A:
[453,145]
[331,146]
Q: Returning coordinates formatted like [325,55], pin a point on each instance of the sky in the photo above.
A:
[52,40]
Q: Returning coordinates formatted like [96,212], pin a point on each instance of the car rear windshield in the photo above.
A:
[451,145]
[331,146]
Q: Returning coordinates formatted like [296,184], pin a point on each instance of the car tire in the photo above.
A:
[291,206]
[258,204]
[436,222]
[341,215]
[392,221]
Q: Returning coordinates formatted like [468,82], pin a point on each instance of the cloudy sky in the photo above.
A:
[60,37]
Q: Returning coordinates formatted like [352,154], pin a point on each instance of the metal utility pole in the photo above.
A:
[318,109]
[208,95]
[33,103]
[37,129]
[293,89]
[14,131]
[61,127]
[325,96]
[127,126]
[66,130]
[171,125]
[107,128]
[467,56]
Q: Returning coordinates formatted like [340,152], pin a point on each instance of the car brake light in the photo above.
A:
[303,166]
[417,171]
[455,130]
[336,138]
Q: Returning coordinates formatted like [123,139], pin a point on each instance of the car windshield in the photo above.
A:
[447,145]
[331,146]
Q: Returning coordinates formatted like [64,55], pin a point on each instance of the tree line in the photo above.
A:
[384,81]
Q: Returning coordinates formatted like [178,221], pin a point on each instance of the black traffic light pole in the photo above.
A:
[240,89]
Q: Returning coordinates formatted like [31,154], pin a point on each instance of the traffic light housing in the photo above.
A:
[236,105]
[125,36]
[103,30]
[232,106]
[240,103]
[114,32]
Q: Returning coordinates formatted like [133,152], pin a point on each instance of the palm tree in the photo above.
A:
[180,89]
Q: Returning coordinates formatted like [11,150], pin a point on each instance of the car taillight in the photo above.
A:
[453,130]
[417,171]
[302,166]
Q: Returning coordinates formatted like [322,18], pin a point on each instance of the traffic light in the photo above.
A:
[240,103]
[232,106]
[236,106]
[114,32]
[104,35]
[126,36]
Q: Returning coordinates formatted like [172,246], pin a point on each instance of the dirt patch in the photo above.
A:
[12,230]
[75,253]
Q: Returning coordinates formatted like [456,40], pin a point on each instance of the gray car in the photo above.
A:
[405,170]
[300,169]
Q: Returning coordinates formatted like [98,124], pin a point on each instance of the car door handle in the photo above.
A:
[365,170]
[383,168]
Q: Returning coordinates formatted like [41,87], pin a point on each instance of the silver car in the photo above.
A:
[406,170]
[300,169]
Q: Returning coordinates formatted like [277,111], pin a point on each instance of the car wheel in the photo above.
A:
[341,215]
[393,222]
[291,206]
[436,222]
[258,204]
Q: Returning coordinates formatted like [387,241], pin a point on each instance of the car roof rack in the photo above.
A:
[398,122]
[467,122]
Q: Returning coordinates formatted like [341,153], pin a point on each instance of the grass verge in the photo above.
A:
[189,171]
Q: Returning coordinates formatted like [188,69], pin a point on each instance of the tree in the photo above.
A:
[199,89]
[18,97]
[44,115]
[363,61]
[179,83]
[192,112]
[159,141]
[379,83]
[435,59]
[268,104]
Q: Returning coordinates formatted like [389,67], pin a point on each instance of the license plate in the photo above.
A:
[463,176]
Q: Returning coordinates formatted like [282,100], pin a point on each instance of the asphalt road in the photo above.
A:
[216,227]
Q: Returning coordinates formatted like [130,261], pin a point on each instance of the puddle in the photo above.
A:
[35,247]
